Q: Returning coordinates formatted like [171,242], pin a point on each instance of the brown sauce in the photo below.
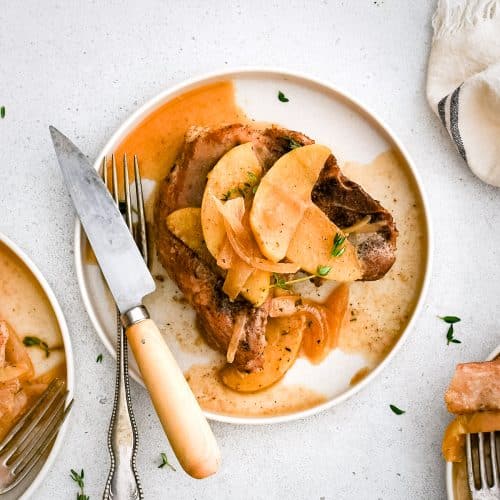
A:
[279,399]
[381,309]
[359,375]
[157,140]
[24,305]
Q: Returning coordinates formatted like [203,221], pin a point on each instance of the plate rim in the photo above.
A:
[68,351]
[247,71]
[449,465]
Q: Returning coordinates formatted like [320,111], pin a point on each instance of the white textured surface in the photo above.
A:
[84,66]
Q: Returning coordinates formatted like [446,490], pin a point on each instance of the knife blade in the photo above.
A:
[129,280]
[121,263]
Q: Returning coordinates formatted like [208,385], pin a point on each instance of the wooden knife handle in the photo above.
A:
[185,425]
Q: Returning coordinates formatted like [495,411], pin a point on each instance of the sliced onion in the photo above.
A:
[226,256]
[13,372]
[241,240]
[238,331]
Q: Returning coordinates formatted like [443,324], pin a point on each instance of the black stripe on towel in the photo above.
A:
[454,130]
[441,110]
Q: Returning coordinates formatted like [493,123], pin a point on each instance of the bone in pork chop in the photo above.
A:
[198,277]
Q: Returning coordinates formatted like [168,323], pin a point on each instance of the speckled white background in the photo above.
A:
[85,66]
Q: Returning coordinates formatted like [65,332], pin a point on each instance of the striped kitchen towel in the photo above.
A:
[463,80]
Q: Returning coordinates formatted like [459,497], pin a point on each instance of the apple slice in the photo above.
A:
[311,246]
[185,223]
[284,336]
[238,167]
[283,195]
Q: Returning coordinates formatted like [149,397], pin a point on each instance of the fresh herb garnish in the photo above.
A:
[338,247]
[396,410]
[99,359]
[450,319]
[36,342]
[282,97]
[2,112]
[293,144]
[323,270]
[78,479]
[450,338]
[279,282]
[164,461]
[227,195]
[243,189]
[252,178]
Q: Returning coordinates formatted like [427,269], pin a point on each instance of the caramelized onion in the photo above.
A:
[242,241]
[322,334]
[238,331]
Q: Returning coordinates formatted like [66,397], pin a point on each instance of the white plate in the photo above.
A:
[30,484]
[325,113]
[450,466]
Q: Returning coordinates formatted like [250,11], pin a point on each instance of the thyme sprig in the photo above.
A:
[78,479]
[243,189]
[280,282]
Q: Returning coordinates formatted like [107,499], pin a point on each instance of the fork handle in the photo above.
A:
[185,425]
[123,480]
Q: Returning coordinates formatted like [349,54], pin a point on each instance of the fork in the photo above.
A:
[482,467]
[25,444]
[123,480]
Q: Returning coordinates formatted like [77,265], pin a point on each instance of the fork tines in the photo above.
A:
[27,441]
[139,231]
[482,465]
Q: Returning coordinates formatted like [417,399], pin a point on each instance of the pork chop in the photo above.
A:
[474,387]
[199,279]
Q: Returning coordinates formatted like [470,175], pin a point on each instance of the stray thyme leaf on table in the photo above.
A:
[164,461]
[36,342]
[450,338]
[450,319]
[282,97]
[99,359]
[78,479]
[396,410]
[2,112]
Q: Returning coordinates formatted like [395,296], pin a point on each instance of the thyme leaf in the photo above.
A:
[450,319]
[293,144]
[323,270]
[2,112]
[36,342]
[282,97]
[396,410]
[338,247]
[450,336]
[164,461]
[99,359]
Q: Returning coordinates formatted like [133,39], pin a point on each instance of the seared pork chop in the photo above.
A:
[199,278]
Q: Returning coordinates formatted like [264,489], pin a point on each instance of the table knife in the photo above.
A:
[129,281]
